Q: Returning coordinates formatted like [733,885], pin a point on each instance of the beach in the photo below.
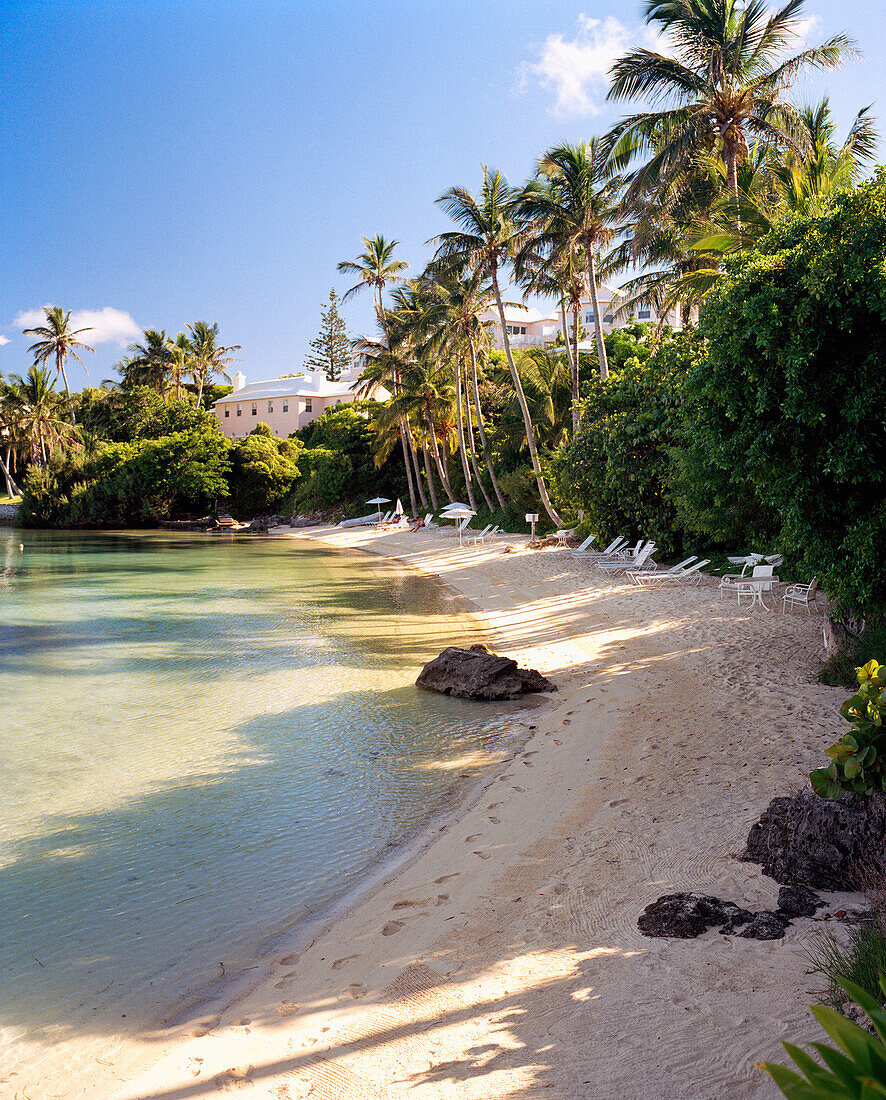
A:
[502,957]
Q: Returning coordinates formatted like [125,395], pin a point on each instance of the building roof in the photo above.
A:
[312,384]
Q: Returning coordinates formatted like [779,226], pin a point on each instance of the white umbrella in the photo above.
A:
[379,500]
[457,512]
[398,508]
[455,504]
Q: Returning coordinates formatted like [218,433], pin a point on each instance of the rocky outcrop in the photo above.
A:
[811,841]
[798,901]
[685,916]
[475,673]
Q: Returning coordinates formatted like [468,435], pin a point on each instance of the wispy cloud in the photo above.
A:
[108,325]
[577,69]
[3,340]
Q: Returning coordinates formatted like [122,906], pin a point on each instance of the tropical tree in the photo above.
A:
[576,212]
[376,269]
[9,434]
[488,239]
[208,357]
[37,410]
[57,340]
[181,361]
[330,350]
[149,363]
[721,84]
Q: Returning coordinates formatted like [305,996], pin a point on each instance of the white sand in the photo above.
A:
[504,960]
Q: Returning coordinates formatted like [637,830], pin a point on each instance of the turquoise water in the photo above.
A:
[203,742]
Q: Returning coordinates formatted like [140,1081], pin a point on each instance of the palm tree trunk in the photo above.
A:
[200,380]
[572,356]
[12,489]
[432,489]
[416,468]
[60,366]
[408,455]
[462,450]
[481,428]
[598,320]
[441,470]
[524,408]
[469,428]
[576,410]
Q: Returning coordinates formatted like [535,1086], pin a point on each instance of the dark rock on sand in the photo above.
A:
[798,901]
[766,926]
[475,673]
[685,916]
[811,841]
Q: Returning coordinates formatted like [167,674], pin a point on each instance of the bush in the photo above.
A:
[858,759]
[857,1071]
[264,472]
[788,399]
[327,476]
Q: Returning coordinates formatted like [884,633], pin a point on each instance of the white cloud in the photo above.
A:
[805,29]
[108,325]
[3,340]
[577,69]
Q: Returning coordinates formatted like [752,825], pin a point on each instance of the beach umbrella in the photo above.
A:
[398,508]
[457,512]
[379,500]
[455,504]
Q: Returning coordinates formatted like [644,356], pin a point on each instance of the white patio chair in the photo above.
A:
[729,580]
[803,594]
[563,534]
[662,578]
[760,581]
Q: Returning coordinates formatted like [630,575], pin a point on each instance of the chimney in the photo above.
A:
[239,380]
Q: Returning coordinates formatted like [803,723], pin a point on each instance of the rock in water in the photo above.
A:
[811,841]
[685,916]
[798,901]
[475,673]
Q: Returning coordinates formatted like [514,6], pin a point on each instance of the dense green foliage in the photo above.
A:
[858,759]
[853,1070]
[130,483]
[263,472]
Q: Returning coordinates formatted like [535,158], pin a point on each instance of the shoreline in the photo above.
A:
[481,966]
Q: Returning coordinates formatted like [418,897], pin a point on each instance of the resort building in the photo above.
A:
[527,328]
[285,404]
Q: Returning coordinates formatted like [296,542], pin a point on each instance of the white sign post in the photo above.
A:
[532,517]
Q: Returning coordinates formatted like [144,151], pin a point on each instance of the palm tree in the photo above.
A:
[576,211]
[38,411]
[721,84]
[57,339]
[181,361]
[376,269]
[9,435]
[488,239]
[149,363]
[208,356]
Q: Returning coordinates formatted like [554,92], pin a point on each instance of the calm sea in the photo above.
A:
[202,743]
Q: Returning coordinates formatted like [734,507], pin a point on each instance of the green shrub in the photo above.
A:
[861,961]
[264,472]
[858,759]
[326,474]
[853,1070]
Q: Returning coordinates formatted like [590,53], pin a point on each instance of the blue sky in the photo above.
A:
[169,160]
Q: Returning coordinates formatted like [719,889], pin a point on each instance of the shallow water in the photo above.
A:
[202,742]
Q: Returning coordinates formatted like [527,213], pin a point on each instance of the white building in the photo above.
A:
[527,328]
[285,404]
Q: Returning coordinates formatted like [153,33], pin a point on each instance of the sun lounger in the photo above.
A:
[577,551]
[488,533]
[637,562]
[664,577]
[612,551]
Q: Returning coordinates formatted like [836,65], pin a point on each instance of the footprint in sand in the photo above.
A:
[528,764]
[409,904]
[285,980]
[556,742]
[495,820]
[236,1077]
[444,878]
[520,789]
[483,855]
[195,1066]
[357,991]
[492,805]
[442,899]
[288,960]
[392,927]
[287,1008]
[339,963]
[567,721]
[473,836]
[533,753]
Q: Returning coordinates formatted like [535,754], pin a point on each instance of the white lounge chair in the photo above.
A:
[803,594]
[577,551]
[488,533]
[386,518]
[663,577]
[637,562]
[612,551]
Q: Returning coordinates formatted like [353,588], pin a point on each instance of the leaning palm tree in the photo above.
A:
[10,433]
[39,413]
[209,357]
[148,363]
[376,270]
[722,82]
[487,241]
[575,206]
[56,339]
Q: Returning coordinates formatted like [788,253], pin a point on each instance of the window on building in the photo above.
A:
[644,314]
[309,404]
[270,406]
[589,316]
[239,410]
[607,319]
[255,410]
[227,411]
[286,406]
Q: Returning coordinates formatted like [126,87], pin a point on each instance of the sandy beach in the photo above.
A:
[503,960]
